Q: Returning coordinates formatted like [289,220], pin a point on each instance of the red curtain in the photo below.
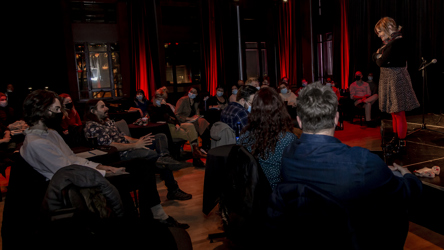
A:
[344,44]
[210,46]
[142,64]
[287,41]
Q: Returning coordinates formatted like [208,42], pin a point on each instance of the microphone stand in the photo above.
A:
[424,82]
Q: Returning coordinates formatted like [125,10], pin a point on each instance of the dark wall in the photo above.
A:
[35,49]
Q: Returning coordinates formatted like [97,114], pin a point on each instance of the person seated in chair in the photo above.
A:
[360,93]
[375,195]
[99,125]
[141,103]
[234,90]
[237,112]
[185,131]
[45,150]
[268,122]
[187,110]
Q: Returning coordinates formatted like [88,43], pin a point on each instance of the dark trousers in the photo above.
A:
[141,177]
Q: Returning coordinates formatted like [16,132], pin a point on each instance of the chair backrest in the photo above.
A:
[21,210]
[122,125]
[244,196]
[302,215]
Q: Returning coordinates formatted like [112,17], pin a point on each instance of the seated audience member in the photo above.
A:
[234,90]
[186,131]
[237,112]
[360,93]
[5,149]
[99,125]
[253,81]
[7,113]
[215,106]
[373,85]
[356,178]
[303,85]
[240,83]
[141,103]
[284,80]
[218,101]
[14,100]
[46,152]
[164,92]
[330,83]
[268,132]
[287,96]
[187,110]
[71,118]
[265,82]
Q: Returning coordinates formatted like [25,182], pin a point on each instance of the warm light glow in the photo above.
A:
[285,1]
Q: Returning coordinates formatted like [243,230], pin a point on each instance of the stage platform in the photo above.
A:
[425,148]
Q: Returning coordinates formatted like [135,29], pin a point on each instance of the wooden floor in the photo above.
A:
[191,180]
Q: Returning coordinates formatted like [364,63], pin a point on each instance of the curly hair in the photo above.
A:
[268,120]
[36,105]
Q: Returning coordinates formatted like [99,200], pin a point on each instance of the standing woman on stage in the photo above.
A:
[396,94]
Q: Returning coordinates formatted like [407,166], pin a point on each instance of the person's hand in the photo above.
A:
[177,127]
[110,169]
[399,168]
[144,141]
[65,132]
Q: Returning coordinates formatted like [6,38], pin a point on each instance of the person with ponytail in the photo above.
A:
[396,94]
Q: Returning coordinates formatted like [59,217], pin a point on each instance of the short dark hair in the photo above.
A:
[36,105]
[245,92]
[91,105]
[317,107]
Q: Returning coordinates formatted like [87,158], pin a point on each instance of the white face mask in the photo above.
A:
[220,93]
[284,91]
[328,84]
[234,91]
[370,78]
[3,103]
[191,95]
[258,88]
[139,97]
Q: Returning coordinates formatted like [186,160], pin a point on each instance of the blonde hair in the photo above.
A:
[387,24]
[251,80]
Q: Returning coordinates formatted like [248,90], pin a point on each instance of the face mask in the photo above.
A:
[220,93]
[139,97]
[53,120]
[158,103]
[8,90]
[68,106]
[328,84]
[191,95]
[258,88]
[370,78]
[234,91]
[284,91]
[3,103]
[249,109]
[358,78]
[304,84]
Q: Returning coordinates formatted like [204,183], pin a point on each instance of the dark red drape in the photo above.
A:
[142,62]
[210,51]
[344,44]
[287,41]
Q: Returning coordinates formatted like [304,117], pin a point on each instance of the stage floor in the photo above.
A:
[425,149]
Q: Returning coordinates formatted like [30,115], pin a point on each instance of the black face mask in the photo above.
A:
[53,120]
[68,106]
[358,78]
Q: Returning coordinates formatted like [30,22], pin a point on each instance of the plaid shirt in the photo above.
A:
[234,113]
[106,133]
